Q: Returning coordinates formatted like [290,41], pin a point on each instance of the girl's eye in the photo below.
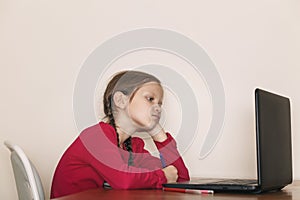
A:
[150,99]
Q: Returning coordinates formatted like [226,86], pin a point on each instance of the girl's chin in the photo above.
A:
[146,127]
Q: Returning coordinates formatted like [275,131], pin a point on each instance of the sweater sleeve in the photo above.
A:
[170,156]
[107,160]
[142,157]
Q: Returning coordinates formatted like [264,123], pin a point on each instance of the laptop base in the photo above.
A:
[218,185]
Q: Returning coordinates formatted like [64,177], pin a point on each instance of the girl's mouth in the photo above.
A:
[155,116]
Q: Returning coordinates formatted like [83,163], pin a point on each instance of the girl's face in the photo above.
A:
[145,107]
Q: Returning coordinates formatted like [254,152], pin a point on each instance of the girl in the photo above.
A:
[106,153]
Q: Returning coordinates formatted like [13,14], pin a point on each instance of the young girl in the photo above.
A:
[107,154]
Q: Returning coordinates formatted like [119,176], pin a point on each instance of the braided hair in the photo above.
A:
[127,82]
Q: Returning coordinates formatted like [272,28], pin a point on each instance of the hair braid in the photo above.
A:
[111,120]
[128,147]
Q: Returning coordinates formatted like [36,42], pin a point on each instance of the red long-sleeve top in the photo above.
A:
[94,158]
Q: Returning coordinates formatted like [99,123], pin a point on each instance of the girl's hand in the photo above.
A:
[156,130]
[171,173]
[157,133]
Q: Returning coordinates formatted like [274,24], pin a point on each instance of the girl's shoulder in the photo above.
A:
[106,126]
[99,130]
[103,126]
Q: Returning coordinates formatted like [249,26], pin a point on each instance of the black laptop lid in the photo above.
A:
[274,149]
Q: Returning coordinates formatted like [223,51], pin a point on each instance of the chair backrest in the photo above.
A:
[29,184]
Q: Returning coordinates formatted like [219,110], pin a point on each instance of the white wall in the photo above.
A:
[44,43]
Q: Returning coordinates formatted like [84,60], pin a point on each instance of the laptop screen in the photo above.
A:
[274,149]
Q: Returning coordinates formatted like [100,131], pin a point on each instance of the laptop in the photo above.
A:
[273,146]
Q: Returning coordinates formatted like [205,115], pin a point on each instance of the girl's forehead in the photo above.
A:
[151,86]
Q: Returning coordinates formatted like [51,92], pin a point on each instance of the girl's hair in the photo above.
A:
[127,82]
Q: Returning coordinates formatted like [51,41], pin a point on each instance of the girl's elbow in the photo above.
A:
[125,185]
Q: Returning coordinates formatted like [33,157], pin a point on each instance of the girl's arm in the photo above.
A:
[121,176]
[106,159]
[142,157]
[169,154]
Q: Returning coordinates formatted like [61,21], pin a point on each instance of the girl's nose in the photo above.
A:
[157,108]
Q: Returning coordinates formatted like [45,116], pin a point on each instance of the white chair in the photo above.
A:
[29,185]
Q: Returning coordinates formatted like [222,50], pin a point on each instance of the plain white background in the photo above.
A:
[44,44]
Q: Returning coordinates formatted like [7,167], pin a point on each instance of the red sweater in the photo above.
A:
[94,157]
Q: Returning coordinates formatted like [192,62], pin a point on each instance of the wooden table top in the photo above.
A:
[290,192]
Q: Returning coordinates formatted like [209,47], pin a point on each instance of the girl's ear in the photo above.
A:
[120,100]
